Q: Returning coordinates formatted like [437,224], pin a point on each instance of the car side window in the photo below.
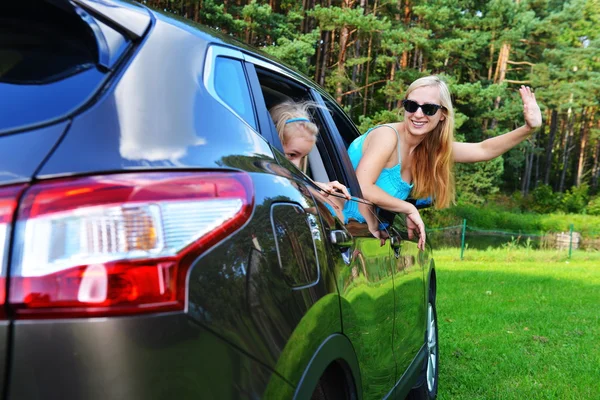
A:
[277,89]
[232,88]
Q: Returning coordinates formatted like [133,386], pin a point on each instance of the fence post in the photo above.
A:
[570,239]
[462,242]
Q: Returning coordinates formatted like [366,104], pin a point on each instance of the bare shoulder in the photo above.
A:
[384,136]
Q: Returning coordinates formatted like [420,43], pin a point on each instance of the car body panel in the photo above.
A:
[239,290]
[150,357]
[130,129]
[364,278]
[22,153]
[409,288]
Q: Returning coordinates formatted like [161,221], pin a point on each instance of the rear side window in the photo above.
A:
[48,63]
[232,87]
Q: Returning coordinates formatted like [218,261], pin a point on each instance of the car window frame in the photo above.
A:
[266,125]
[336,143]
[208,78]
[270,132]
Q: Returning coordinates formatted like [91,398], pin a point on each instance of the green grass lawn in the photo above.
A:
[518,324]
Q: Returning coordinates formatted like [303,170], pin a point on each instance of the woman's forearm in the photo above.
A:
[499,145]
[489,148]
[380,198]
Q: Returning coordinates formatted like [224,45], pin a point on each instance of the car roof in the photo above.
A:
[217,37]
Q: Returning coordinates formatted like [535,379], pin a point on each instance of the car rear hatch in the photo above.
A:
[55,58]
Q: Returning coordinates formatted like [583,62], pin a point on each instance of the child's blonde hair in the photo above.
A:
[294,114]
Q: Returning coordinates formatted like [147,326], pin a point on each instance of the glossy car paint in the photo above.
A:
[247,332]
[21,154]
[366,286]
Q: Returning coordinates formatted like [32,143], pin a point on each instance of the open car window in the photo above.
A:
[277,89]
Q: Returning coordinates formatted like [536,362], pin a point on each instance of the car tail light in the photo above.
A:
[119,244]
[8,202]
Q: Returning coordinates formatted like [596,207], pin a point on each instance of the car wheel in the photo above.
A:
[428,380]
[333,385]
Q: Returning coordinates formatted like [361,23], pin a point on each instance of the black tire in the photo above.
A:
[427,384]
[334,385]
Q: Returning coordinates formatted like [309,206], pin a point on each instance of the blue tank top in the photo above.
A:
[390,180]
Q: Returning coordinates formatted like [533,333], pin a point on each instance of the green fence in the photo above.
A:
[468,236]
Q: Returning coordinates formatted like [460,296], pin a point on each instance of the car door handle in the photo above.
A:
[340,238]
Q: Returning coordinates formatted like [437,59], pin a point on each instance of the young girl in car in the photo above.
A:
[298,135]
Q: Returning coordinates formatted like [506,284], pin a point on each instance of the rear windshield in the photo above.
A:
[48,63]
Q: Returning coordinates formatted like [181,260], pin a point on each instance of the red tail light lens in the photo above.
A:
[8,202]
[119,244]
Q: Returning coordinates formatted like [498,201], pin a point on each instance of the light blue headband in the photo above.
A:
[297,120]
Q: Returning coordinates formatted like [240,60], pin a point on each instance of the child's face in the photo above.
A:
[298,145]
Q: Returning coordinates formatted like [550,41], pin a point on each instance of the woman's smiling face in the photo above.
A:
[418,123]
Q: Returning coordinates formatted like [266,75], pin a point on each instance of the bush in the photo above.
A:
[543,200]
[593,207]
[575,200]
[491,217]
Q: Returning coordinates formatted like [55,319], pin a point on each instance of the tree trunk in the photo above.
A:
[390,104]
[528,167]
[407,12]
[550,145]
[536,179]
[500,75]
[567,149]
[368,70]
[322,63]
[197,11]
[491,67]
[596,167]
[583,134]
[341,61]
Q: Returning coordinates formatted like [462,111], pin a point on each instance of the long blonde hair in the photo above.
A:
[433,161]
[283,112]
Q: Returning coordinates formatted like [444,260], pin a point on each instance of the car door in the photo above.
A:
[407,264]
[358,263]
[361,250]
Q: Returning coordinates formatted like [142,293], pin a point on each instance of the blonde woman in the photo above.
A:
[298,135]
[416,156]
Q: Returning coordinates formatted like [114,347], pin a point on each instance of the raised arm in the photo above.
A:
[376,153]
[496,146]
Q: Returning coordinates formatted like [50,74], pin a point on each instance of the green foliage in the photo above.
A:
[576,199]
[475,182]
[544,200]
[491,217]
[295,52]
[593,207]
[382,117]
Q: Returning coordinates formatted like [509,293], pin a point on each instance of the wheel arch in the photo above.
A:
[432,280]
[338,350]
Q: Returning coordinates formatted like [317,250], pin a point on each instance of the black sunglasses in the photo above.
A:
[428,109]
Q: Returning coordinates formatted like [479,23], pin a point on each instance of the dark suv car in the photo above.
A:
[156,243]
